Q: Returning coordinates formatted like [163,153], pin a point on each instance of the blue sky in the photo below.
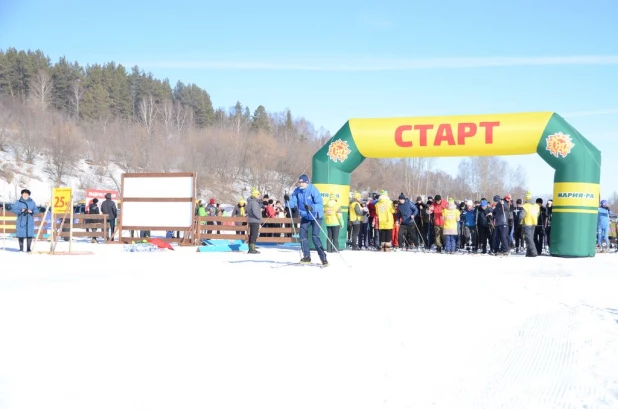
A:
[331,62]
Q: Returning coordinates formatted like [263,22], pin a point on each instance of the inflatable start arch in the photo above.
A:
[576,161]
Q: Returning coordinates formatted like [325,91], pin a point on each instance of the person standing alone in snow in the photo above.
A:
[308,200]
[25,209]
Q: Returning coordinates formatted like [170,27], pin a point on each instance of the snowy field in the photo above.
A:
[180,329]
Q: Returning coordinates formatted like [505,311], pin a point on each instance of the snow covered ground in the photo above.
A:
[180,329]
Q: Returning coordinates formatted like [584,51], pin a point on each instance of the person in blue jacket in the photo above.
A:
[603,225]
[25,209]
[308,200]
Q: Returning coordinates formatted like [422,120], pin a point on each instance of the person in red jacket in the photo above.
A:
[438,221]
[395,236]
[373,232]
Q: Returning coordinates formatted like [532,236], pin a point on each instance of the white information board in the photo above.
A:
[155,200]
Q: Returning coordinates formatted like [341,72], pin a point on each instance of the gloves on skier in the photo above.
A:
[286,197]
[309,208]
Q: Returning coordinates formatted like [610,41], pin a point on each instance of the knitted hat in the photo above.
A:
[419,199]
[254,192]
[212,201]
[496,198]
[438,197]
[357,195]
[402,196]
[383,193]
[25,191]
[518,201]
[451,201]
[528,195]
[507,197]
[303,178]
[242,201]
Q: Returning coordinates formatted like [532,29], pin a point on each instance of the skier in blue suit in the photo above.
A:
[308,200]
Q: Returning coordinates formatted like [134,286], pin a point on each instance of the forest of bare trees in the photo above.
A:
[107,114]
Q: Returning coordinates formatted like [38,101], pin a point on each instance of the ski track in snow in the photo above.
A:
[436,332]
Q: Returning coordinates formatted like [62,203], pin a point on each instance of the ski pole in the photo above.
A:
[329,240]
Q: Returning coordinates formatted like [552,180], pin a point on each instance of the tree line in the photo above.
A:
[107,114]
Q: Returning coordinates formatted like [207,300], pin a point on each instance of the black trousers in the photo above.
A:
[539,237]
[529,233]
[112,228]
[501,239]
[483,232]
[354,235]
[406,235]
[253,232]
[517,235]
[386,235]
[332,244]
[28,243]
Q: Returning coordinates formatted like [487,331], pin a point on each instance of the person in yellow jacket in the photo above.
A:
[334,222]
[386,220]
[451,217]
[356,215]
[529,216]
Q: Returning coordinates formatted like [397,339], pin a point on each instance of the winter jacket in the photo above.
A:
[529,215]
[481,216]
[93,208]
[407,212]
[517,216]
[311,196]
[371,207]
[332,214]
[469,217]
[239,211]
[355,212]
[603,218]
[420,211]
[450,216]
[25,220]
[501,214]
[108,207]
[438,218]
[211,210]
[254,210]
[384,212]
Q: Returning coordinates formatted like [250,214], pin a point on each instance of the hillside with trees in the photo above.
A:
[108,115]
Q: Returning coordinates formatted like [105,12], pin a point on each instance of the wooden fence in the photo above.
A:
[273,230]
[81,222]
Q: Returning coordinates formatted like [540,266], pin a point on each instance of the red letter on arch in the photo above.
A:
[444,133]
[399,136]
[489,130]
[423,133]
[465,130]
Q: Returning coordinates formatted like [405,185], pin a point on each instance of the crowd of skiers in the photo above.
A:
[495,227]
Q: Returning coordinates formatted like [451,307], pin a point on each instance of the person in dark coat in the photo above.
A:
[93,208]
[25,209]
[406,213]
[109,208]
[254,218]
[482,225]
[501,224]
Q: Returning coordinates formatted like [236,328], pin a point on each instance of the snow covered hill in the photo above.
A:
[35,178]
[181,329]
